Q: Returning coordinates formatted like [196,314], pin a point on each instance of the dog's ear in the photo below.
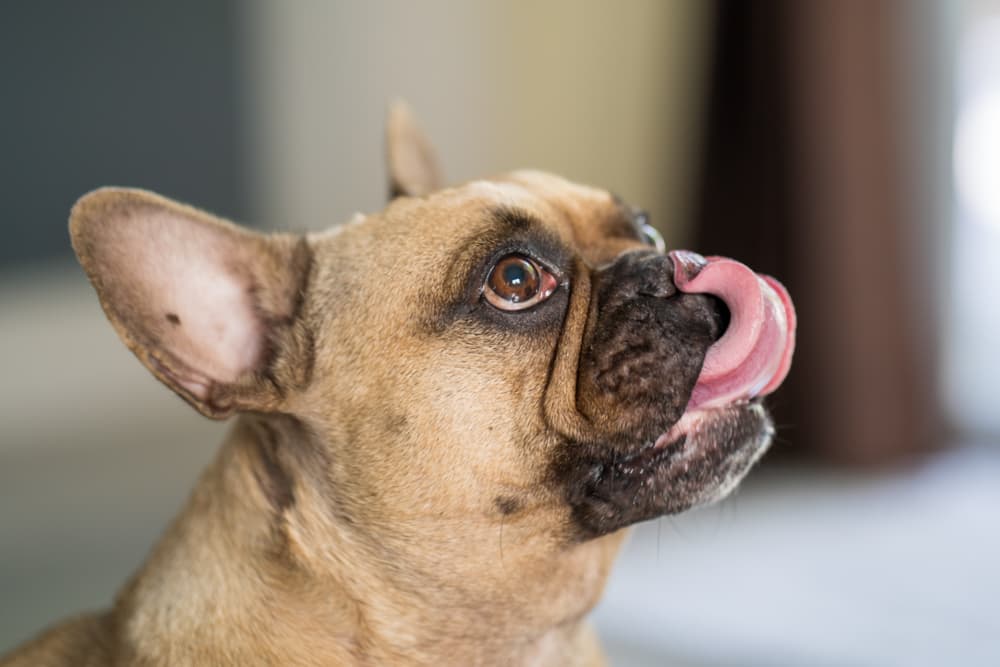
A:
[210,308]
[413,165]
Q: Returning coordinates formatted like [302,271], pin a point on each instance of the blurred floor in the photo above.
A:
[76,522]
[801,567]
[806,567]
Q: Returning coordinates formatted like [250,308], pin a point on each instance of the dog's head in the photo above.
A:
[487,381]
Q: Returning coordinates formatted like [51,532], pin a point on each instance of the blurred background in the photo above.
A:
[851,148]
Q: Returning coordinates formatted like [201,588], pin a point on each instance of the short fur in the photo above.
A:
[415,477]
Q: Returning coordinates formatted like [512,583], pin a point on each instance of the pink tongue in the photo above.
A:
[754,354]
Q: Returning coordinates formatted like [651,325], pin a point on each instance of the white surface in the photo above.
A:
[815,569]
[971,361]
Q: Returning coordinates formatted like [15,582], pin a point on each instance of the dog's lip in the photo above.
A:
[692,420]
[686,433]
[755,353]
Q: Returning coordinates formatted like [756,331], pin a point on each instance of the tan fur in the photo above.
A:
[381,500]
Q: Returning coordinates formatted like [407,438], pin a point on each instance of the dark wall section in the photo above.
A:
[746,201]
[806,175]
[114,92]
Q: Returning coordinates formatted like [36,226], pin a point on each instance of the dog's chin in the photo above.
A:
[700,460]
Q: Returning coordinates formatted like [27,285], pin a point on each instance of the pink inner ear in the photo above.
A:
[195,294]
[217,331]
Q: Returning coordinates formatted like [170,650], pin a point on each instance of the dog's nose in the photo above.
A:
[638,274]
[754,354]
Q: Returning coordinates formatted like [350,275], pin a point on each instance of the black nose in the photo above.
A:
[641,274]
[638,273]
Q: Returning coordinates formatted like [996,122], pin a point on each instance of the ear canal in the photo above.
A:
[413,164]
[207,306]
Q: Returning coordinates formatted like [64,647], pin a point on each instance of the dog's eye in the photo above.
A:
[649,233]
[517,282]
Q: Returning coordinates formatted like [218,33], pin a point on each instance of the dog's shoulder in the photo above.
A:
[83,641]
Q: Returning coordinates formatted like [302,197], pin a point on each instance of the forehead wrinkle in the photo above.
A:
[585,204]
[498,195]
[595,223]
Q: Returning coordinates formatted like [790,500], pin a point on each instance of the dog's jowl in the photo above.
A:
[446,414]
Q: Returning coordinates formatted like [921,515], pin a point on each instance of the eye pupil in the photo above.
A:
[514,275]
[517,282]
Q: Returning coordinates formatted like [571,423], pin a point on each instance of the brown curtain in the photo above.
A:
[804,177]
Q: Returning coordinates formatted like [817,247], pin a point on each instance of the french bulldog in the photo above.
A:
[448,414]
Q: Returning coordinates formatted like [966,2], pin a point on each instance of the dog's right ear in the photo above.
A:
[413,165]
[210,308]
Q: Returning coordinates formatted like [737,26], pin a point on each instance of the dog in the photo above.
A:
[448,414]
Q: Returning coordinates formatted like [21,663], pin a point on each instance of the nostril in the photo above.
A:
[722,315]
[687,265]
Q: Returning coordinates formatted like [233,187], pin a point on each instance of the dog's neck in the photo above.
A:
[271,601]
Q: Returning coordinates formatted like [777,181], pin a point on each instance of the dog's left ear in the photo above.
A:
[210,308]
[413,165]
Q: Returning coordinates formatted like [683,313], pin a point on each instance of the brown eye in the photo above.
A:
[517,283]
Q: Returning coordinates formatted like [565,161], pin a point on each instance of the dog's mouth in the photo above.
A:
[724,428]
[698,461]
